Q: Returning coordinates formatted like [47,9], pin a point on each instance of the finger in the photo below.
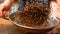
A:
[5,13]
[58,18]
[1,9]
[0,13]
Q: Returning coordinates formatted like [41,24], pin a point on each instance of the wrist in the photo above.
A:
[9,2]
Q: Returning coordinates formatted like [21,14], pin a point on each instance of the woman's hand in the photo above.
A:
[5,8]
[55,9]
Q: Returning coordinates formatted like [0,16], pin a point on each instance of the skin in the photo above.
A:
[55,8]
[58,2]
[5,7]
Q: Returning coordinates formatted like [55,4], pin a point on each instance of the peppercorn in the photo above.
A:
[33,15]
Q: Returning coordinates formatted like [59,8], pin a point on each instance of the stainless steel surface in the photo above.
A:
[14,8]
[7,27]
[53,22]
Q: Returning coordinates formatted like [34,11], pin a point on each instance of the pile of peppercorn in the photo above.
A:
[32,15]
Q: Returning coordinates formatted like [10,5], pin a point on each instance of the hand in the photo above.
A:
[4,10]
[55,9]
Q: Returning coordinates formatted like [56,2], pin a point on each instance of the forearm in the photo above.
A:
[8,2]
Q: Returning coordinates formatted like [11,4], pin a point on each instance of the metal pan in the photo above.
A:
[53,22]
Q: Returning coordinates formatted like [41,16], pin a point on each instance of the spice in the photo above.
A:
[33,15]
